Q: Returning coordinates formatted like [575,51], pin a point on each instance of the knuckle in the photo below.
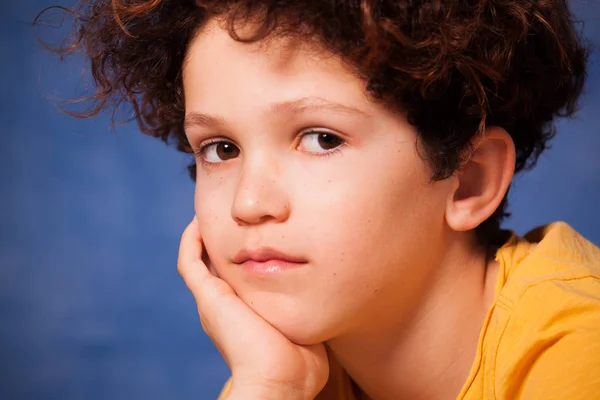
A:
[181,268]
[184,234]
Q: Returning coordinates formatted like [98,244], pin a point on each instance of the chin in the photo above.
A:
[294,318]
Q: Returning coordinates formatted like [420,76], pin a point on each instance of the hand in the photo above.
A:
[263,362]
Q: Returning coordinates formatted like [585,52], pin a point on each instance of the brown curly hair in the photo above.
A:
[451,66]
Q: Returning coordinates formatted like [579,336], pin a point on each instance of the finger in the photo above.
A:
[221,311]
[189,262]
[202,283]
[190,246]
[211,268]
[206,260]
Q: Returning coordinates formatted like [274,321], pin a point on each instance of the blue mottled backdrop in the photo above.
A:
[91,306]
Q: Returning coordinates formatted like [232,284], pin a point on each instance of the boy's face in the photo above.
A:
[307,165]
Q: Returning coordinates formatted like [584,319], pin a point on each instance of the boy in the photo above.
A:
[352,160]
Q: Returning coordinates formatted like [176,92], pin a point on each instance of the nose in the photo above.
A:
[260,195]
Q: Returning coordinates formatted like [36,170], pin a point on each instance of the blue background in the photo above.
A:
[91,306]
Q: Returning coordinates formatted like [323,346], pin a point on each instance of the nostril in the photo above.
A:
[266,218]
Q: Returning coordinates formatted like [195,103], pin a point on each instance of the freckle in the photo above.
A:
[335,273]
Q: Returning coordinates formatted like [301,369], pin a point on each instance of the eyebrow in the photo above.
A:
[286,108]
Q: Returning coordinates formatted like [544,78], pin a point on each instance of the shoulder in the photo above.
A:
[550,348]
[549,257]
[550,345]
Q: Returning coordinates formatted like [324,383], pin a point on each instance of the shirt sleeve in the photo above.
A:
[568,369]
[551,348]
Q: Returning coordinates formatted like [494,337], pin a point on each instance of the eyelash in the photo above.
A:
[202,148]
[199,152]
[327,153]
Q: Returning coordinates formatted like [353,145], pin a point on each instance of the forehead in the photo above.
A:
[217,67]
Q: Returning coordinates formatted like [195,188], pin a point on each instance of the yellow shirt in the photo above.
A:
[541,337]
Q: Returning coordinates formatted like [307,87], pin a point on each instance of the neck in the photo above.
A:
[429,355]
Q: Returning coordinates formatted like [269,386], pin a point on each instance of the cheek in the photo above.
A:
[206,209]
[368,220]
[212,211]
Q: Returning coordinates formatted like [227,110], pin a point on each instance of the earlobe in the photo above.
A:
[483,181]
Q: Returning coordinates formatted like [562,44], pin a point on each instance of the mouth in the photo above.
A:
[266,260]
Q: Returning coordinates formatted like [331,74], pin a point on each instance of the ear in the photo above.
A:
[482,183]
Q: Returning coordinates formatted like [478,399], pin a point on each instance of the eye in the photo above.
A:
[218,151]
[320,142]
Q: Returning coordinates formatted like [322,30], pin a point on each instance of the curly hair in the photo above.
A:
[451,66]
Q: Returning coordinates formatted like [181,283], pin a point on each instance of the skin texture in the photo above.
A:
[390,258]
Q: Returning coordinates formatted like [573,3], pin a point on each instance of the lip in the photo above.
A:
[267,260]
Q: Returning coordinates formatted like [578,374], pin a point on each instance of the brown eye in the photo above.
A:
[328,141]
[218,152]
[227,151]
[320,142]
